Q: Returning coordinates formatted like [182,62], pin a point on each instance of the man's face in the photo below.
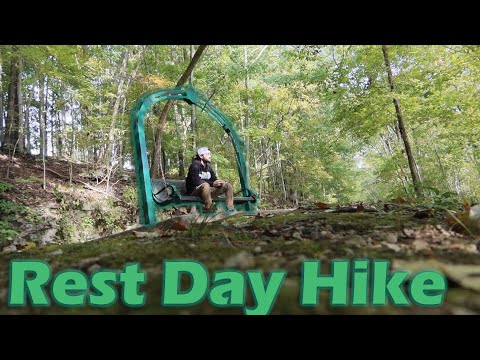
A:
[206,157]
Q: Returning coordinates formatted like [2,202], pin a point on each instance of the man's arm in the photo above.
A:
[194,175]
[213,178]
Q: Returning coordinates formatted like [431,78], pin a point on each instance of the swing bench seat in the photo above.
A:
[176,193]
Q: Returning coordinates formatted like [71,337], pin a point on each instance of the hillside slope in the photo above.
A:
[65,211]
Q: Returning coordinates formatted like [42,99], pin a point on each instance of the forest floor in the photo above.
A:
[271,241]
[411,237]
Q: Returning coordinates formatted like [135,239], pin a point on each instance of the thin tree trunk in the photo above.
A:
[439,160]
[41,116]
[247,112]
[62,144]
[193,120]
[28,100]
[121,160]
[47,81]
[41,120]
[401,124]
[116,106]
[399,169]
[184,137]
[21,119]
[2,126]
[11,124]
[176,116]
[281,172]
[72,145]
[157,151]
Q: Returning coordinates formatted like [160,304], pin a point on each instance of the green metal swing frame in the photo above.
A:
[146,201]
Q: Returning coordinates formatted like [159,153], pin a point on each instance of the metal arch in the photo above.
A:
[142,169]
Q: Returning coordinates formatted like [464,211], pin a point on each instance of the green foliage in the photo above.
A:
[9,207]
[196,231]
[442,199]
[107,217]
[6,233]
[319,120]
[29,180]
[130,195]
[5,187]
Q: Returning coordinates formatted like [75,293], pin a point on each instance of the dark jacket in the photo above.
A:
[198,174]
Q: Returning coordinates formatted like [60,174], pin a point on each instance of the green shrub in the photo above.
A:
[6,233]
[29,180]
[4,186]
[8,207]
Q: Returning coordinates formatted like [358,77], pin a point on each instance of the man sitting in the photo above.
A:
[202,181]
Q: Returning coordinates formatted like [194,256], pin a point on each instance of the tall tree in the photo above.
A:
[41,116]
[157,150]
[246,123]
[121,78]
[193,120]
[21,118]
[11,124]
[1,101]
[401,123]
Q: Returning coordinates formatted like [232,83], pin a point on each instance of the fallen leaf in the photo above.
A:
[180,225]
[465,222]
[423,214]
[30,245]
[322,205]
[360,207]
[177,223]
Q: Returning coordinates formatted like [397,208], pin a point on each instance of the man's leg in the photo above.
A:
[228,190]
[204,191]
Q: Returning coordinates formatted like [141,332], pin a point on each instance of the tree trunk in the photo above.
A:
[193,120]
[401,124]
[247,112]
[2,126]
[116,106]
[42,122]
[282,179]
[21,119]
[439,160]
[121,160]
[41,117]
[62,144]
[28,100]
[398,167]
[46,118]
[178,124]
[11,124]
[157,150]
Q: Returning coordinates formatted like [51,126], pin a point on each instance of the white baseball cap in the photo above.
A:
[202,150]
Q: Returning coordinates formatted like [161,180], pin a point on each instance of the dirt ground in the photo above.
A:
[271,241]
